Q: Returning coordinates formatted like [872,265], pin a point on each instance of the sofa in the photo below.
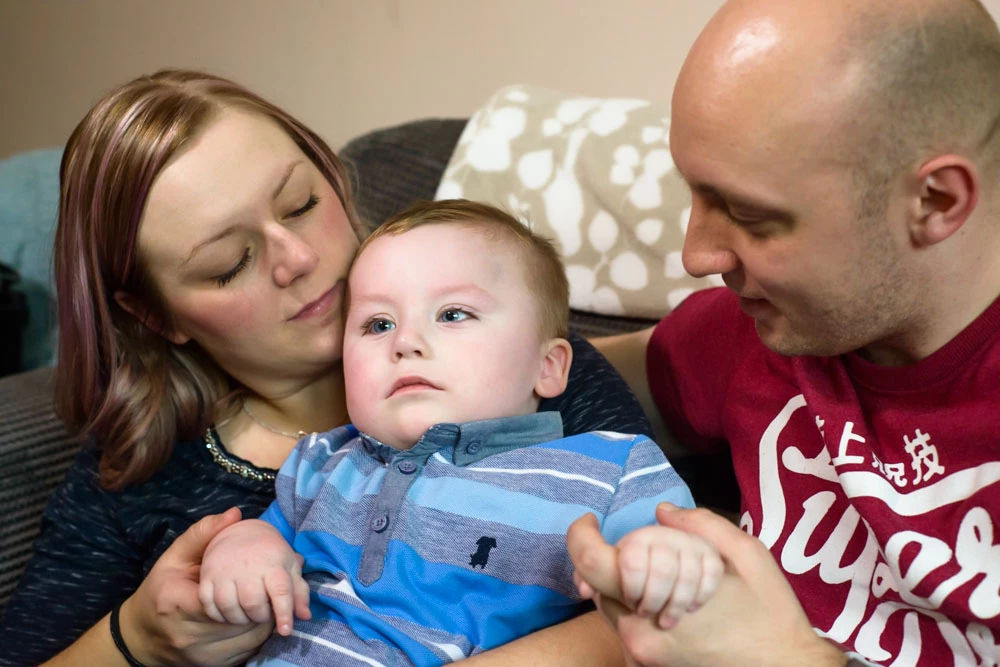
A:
[390,168]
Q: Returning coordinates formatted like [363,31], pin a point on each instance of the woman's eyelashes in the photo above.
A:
[305,208]
[226,277]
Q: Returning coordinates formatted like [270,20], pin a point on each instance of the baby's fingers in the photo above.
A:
[206,594]
[633,566]
[278,583]
[686,587]
[663,573]
[301,598]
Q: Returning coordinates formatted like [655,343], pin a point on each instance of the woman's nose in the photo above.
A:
[293,256]
[707,243]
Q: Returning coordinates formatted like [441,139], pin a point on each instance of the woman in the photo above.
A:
[204,238]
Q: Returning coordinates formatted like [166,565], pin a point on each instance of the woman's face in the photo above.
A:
[249,246]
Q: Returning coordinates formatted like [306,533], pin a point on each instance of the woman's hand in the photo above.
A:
[163,622]
[250,571]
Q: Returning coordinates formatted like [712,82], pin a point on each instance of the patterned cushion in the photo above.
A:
[596,176]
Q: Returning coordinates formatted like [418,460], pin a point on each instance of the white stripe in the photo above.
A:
[540,471]
[452,651]
[645,471]
[336,647]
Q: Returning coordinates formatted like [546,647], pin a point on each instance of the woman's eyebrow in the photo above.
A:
[282,182]
[284,179]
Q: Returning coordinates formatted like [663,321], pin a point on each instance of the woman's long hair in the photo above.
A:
[117,380]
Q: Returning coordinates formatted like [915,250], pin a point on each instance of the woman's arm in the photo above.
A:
[163,622]
[584,640]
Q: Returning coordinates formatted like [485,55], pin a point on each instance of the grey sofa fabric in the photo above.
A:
[35,451]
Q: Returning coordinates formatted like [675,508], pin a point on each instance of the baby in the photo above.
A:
[433,528]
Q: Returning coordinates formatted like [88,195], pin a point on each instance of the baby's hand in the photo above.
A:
[248,571]
[667,572]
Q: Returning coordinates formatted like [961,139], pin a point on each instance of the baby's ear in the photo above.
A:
[555,368]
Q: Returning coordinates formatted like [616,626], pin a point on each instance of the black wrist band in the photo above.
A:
[116,635]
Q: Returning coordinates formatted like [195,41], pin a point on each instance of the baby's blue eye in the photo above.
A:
[453,315]
[379,325]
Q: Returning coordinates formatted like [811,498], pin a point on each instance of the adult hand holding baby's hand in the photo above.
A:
[163,621]
[752,618]
[250,571]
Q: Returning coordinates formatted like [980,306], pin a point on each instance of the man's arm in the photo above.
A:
[627,353]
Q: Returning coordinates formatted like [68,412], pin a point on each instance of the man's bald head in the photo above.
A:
[899,80]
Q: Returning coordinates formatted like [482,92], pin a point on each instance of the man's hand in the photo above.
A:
[752,619]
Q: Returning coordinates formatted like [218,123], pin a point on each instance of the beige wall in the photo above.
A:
[343,66]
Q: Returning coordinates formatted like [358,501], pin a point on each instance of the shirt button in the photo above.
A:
[379,523]
[407,467]
[473,447]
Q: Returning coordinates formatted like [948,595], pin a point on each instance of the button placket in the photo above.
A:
[398,478]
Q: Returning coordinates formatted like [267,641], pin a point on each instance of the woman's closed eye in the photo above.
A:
[377,325]
[226,277]
[305,208]
[454,315]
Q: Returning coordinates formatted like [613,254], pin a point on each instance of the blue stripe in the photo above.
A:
[491,503]
[433,595]
[642,512]
[351,483]
[588,444]
[274,516]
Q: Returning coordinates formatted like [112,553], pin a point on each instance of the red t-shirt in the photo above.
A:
[877,489]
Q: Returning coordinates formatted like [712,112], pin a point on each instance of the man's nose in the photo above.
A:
[707,243]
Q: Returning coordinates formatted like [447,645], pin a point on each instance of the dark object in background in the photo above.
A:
[13,317]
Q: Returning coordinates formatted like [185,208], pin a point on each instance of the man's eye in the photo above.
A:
[378,325]
[454,315]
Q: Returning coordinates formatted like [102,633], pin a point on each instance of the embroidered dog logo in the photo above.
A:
[483,553]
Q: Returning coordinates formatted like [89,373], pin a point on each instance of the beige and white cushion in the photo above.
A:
[596,177]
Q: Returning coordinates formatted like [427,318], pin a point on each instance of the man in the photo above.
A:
[844,162]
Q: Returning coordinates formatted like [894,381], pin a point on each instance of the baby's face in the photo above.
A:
[441,328]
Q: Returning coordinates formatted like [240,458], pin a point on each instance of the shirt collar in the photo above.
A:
[474,440]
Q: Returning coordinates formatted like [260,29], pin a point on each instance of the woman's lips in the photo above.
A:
[322,305]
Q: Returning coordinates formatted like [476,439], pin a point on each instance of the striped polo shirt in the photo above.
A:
[454,546]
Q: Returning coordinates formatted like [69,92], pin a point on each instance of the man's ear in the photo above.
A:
[555,368]
[137,309]
[948,193]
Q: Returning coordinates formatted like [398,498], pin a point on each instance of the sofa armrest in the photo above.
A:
[35,452]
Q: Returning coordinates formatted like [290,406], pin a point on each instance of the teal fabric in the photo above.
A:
[29,204]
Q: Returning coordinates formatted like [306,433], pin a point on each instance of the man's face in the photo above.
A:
[441,328]
[776,211]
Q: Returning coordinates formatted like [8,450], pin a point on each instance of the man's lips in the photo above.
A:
[322,305]
[411,383]
[752,307]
